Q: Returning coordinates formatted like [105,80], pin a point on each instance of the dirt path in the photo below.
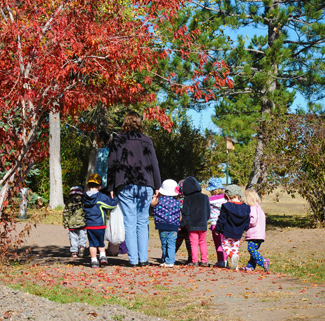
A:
[214,293]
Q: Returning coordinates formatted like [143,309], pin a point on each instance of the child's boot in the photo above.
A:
[81,252]
[234,262]
[266,265]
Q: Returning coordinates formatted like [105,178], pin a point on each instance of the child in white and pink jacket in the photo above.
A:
[216,199]
[255,235]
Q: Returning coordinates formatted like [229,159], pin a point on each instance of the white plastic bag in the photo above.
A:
[115,232]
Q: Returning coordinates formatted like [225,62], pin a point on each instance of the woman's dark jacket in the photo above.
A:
[233,220]
[196,206]
[132,161]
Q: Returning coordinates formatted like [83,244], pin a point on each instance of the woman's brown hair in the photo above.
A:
[132,122]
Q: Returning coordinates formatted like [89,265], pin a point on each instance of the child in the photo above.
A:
[182,234]
[256,233]
[195,216]
[232,222]
[216,200]
[74,220]
[95,206]
[167,210]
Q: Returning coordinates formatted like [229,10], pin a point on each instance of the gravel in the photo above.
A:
[17,305]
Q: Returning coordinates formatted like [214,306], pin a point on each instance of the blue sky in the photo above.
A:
[203,118]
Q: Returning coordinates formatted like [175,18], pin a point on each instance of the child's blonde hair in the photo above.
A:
[217,191]
[252,197]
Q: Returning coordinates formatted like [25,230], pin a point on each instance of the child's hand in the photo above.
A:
[154,201]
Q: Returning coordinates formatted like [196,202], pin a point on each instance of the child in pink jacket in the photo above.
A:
[256,232]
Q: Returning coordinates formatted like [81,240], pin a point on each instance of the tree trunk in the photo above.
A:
[91,163]
[56,191]
[259,172]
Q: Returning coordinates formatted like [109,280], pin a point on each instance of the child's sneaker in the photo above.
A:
[81,252]
[205,264]
[266,265]
[193,264]
[74,254]
[234,262]
[221,264]
[169,265]
[246,268]
[95,264]
[103,261]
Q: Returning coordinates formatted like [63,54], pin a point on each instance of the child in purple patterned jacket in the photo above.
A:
[167,210]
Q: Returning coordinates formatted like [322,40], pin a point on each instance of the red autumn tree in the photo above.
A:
[68,55]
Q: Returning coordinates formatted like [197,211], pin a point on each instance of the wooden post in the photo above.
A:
[230,145]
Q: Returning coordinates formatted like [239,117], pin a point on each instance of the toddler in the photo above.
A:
[232,222]
[256,233]
[167,210]
[182,234]
[195,216]
[217,190]
[74,221]
[95,206]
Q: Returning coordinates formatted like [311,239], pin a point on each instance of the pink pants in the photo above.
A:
[217,239]
[199,239]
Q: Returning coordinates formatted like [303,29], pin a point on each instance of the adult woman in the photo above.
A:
[133,174]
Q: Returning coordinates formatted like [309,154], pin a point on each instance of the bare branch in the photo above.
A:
[3,15]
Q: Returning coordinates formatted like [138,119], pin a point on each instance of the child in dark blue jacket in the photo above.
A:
[233,221]
[195,216]
[95,206]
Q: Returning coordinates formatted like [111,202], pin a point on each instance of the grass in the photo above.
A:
[167,305]
[46,216]
[282,221]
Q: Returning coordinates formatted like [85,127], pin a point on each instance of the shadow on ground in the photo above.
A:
[283,221]
[60,255]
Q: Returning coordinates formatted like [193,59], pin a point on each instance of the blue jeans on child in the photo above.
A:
[168,245]
[135,203]
[77,238]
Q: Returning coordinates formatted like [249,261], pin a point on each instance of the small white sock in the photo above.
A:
[94,259]
[101,254]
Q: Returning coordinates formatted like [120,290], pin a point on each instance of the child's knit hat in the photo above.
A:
[234,190]
[168,188]
[214,183]
[76,190]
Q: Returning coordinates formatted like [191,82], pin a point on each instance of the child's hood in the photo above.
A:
[239,212]
[90,199]
[191,185]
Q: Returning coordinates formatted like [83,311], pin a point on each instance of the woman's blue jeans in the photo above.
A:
[135,203]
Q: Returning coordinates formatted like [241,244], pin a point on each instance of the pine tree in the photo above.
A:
[284,56]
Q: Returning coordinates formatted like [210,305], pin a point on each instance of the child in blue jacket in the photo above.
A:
[233,220]
[95,207]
